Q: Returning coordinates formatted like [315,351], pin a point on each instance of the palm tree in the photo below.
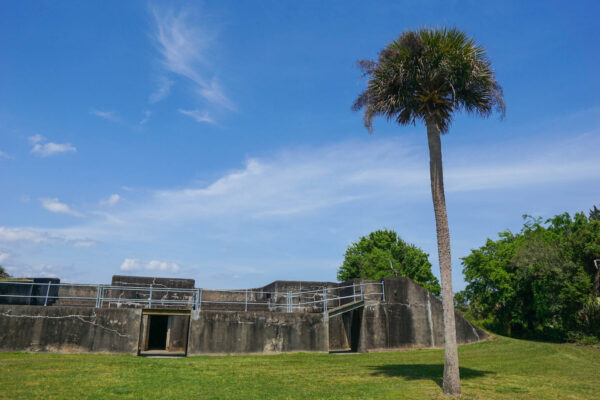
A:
[427,75]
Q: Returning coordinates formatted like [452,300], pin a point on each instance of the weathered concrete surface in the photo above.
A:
[410,317]
[146,281]
[68,329]
[256,332]
[139,298]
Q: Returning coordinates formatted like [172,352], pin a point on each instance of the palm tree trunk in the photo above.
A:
[451,373]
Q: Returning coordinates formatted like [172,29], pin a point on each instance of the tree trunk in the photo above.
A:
[451,373]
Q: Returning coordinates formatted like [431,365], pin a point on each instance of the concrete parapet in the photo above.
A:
[68,329]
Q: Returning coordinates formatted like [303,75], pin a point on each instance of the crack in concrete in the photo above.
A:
[76,316]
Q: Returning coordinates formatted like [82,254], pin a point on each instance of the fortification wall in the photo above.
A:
[68,329]
[410,317]
[213,332]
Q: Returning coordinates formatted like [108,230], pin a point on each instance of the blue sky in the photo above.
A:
[215,140]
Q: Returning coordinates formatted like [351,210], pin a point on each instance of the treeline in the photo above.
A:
[539,283]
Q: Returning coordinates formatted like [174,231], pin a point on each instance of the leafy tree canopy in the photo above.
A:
[382,254]
[540,282]
[3,273]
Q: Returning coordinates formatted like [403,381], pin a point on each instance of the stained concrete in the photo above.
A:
[410,317]
[68,329]
[406,317]
[213,332]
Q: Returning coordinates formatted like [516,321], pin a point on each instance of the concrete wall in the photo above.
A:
[256,332]
[410,317]
[68,329]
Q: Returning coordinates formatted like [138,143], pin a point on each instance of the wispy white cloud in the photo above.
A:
[4,155]
[112,200]
[55,206]
[34,271]
[162,91]
[9,235]
[134,264]
[198,116]
[40,146]
[107,115]
[146,118]
[342,189]
[183,47]
[3,257]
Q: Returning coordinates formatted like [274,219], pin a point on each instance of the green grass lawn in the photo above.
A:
[500,368]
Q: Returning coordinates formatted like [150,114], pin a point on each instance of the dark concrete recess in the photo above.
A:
[257,332]
[68,329]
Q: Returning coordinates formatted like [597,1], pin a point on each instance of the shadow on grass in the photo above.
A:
[435,372]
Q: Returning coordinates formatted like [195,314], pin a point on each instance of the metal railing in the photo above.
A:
[317,300]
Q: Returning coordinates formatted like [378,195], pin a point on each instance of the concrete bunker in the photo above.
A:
[161,316]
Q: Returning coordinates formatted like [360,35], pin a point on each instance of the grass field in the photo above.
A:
[500,368]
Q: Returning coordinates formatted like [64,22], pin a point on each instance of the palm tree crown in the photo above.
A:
[429,73]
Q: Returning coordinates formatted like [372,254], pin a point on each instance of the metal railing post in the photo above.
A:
[47,293]
[362,296]
[200,300]
[289,302]
[353,291]
[150,298]
[325,300]
[246,301]
[382,291]
[98,295]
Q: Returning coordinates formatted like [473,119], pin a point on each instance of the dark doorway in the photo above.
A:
[355,329]
[157,332]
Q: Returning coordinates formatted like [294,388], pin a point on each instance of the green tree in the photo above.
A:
[383,253]
[536,283]
[3,273]
[595,213]
[427,75]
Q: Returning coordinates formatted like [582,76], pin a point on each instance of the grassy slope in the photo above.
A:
[497,369]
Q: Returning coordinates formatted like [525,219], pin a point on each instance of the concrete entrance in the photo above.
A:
[345,328]
[164,332]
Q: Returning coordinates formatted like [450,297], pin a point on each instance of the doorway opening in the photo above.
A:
[157,332]
[344,331]
[164,332]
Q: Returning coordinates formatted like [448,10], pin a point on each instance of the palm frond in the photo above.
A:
[429,73]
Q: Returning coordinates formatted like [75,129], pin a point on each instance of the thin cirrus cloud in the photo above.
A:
[36,236]
[55,206]
[303,192]
[112,200]
[146,118]
[317,181]
[162,91]
[183,48]
[198,116]
[134,264]
[43,148]
[362,177]
[107,115]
